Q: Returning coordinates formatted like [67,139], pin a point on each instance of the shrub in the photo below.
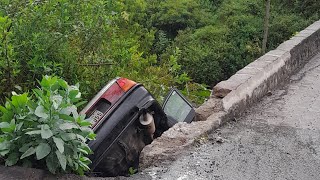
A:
[45,130]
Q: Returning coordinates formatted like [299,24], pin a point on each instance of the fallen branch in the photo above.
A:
[98,64]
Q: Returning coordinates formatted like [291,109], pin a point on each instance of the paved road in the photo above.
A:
[278,138]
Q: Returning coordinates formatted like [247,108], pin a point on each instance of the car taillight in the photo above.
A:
[125,84]
[113,94]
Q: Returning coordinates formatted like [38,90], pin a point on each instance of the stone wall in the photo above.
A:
[264,74]
[231,97]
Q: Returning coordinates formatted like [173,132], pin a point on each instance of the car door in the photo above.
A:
[177,108]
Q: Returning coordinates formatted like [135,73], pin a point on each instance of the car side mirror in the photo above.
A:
[177,108]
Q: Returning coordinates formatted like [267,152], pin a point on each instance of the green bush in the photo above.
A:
[172,16]
[93,41]
[44,129]
[198,57]
[90,42]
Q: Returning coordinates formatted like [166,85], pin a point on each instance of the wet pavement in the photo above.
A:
[278,138]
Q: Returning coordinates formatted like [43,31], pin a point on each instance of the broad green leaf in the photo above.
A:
[132,171]
[80,170]
[42,150]
[53,80]
[92,136]
[75,112]
[29,152]
[73,93]
[59,143]
[4,125]
[56,101]
[4,152]
[2,138]
[20,117]
[62,159]
[31,117]
[85,123]
[52,163]
[63,83]
[69,110]
[3,19]
[7,116]
[25,147]
[83,151]
[32,105]
[4,145]
[81,138]
[16,138]
[3,109]
[12,159]
[38,93]
[66,117]
[82,122]
[40,112]
[85,160]
[68,136]
[86,148]
[76,166]
[86,130]
[18,127]
[81,103]
[34,132]
[84,165]
[67,126]
[20,100]
[7,128]
[46,132]
[55,86]
[45,82]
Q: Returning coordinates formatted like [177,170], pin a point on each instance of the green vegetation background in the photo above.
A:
[191,44]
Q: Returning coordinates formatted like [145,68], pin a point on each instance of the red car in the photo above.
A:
[126,117]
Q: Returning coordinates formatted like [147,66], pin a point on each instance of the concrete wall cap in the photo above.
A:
[305,33]
[277,52]
[314,26]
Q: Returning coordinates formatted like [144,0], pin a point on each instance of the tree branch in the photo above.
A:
[97,64]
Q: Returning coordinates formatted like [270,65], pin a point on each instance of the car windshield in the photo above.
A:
[177,107]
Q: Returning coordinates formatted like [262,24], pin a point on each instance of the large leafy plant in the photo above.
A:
[45,129]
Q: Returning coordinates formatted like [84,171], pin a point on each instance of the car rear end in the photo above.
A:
[114,113]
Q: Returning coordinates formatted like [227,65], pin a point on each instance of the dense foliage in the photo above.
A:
[192,44]
[231,37]
[43,129]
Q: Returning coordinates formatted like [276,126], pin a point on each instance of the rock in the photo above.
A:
[222,89]
[210,107]
[269,93]
[173,142]
[219,139]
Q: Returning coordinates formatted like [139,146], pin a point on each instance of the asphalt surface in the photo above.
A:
[277,138]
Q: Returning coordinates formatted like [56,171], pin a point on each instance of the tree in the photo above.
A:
[266,27]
